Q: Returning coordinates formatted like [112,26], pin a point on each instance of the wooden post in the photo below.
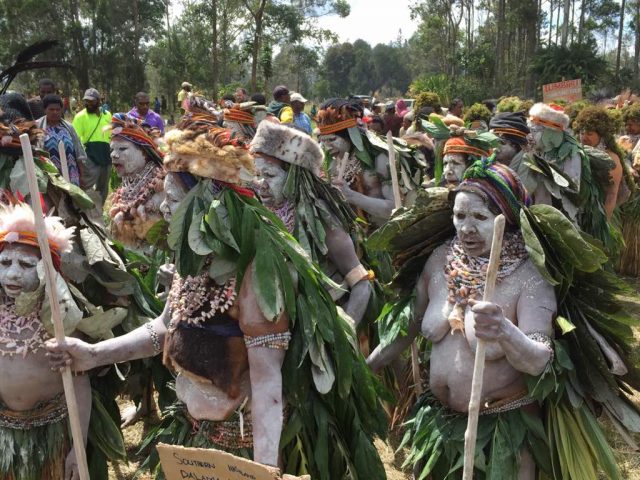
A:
[397,201]
[64,165]
[50,282]
[478,368]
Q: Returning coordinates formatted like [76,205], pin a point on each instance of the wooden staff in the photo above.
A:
[397,201]
[478,368]
[50,282]
[343,165]
[63,161]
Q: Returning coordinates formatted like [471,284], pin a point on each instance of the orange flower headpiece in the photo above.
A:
[17,225]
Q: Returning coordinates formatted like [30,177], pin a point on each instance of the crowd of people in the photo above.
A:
[279,268]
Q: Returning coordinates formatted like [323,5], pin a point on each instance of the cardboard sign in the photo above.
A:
[569,91]
[180,463]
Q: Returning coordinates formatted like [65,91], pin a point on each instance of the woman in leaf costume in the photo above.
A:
[365,179]
[547,406]
[559,171]
[247,299]
[33,429]
[289,163]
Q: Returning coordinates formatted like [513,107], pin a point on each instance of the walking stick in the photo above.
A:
[63,161]
[50,282]
[397,200]
[478,368]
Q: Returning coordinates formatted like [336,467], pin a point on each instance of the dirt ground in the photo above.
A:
[628,459]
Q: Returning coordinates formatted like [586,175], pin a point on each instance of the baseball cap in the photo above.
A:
[185,84]
[91,94]
[296,97]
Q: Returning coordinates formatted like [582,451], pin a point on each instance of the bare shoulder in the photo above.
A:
[435,262]
[534,285]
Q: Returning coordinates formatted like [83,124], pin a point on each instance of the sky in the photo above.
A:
[375,21]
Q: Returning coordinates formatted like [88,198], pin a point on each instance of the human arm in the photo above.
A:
[82,388]
[265,371]
[535,310]
[615,177]
[343,255]
[82,356]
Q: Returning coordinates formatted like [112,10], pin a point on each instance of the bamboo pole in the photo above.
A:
[397,201]
[63,161]
[50,279]
[478,368]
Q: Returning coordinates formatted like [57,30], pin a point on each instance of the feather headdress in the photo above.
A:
[17,225]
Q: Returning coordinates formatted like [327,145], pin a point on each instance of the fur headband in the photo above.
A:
[549,117]
[289,145]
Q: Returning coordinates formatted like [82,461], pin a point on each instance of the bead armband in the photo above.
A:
[274,341]
[357,274]
[545,340]
[155,339]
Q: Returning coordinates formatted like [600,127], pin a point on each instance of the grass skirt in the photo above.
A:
[34,443]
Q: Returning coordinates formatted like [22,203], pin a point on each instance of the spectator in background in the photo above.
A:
[105,105]
[407,120]
[259,98]
[183,96]
[90,125]
[157,106]
[401,108]
[45,87]
[57,129]
[144,113]
[163,104]
[66,106]
[241,95]
[376,124]
[301,120]
[227,100]
[392,122]
[456,107]
[280,107]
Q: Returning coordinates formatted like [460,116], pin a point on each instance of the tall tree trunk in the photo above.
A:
[565,22]
[583,9]
[550,20]
[215,63]
[80,53]
[558,22]
[257,12]
[620,32]
[636,52]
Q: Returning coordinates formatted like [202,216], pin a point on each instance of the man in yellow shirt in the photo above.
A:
[89,124]
[280,106]
[183,95]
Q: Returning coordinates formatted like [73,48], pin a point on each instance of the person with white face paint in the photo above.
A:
[282,153]
[512,130]
[365,181]
[239,299]
[137,160]
[516,325]
[33,426]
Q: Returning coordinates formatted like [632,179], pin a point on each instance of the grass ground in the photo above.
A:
[628,459]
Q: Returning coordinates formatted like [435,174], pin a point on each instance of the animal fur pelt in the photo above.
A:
[289,145]
[545,112]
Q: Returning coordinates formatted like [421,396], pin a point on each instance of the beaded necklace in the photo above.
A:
[352,170]
[12,327]
[188,299]
[137,189]
[466,275]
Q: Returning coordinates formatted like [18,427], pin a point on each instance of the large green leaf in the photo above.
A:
[534,248]
[266,281]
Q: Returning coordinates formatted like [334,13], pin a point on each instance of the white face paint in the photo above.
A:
[505,152]
[536,132]
[335,145]
[270,180]
[127,157]
[454,165]
[474,223]
[174,192]
[18,271]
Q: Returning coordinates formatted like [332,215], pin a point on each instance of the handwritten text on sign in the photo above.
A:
[180,463]
[569,91]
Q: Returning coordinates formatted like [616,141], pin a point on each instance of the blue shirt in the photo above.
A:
[301,121]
